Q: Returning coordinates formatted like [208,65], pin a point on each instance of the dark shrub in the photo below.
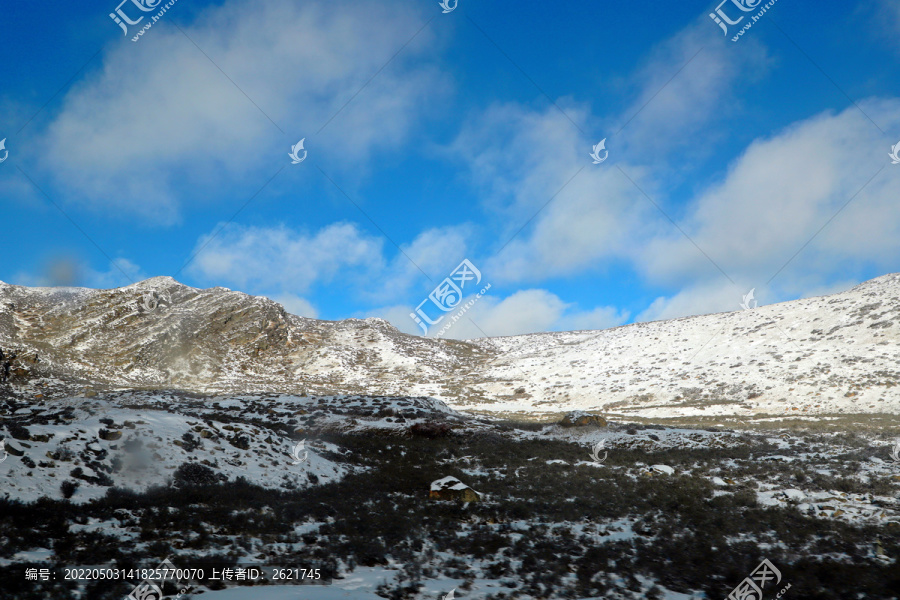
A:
[68,488]
[18,431]
[189,442]
[430,430]
[195,474]
[240,441]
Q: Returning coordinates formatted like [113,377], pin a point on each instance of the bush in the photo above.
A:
[68,488]
[62,453]
[190,473]
[430,430]
[190,443]
[18,431]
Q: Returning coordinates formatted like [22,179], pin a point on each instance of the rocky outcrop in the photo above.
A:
[14,367]
[5,365]
[579,418]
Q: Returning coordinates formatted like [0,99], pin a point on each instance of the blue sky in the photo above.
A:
[433,138]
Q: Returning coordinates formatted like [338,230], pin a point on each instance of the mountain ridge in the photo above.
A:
[820,355]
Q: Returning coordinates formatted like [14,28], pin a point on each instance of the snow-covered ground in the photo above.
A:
[831,354]
[138,440]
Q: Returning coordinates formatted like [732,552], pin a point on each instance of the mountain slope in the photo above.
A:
[838,353]
[830,354]
[162,334]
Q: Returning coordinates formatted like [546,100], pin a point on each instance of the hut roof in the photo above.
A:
[448,483]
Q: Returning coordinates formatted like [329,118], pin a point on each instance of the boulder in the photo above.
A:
[11,449]
[582,419]
[109,435]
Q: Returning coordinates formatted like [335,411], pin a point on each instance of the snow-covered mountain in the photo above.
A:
[162,334]
[829,354]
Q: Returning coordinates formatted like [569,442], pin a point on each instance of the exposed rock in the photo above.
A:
[579,418]
[109,435]
[13,367]
[13,450]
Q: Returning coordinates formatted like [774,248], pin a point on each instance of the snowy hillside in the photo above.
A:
[137,440]
[832,354]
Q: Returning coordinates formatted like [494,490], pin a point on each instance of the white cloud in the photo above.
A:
[297,306]
[887,17]
[687,82]
[436,251]
[279,258]
[700,298]
[523,159]
[121,272]
[602,317]
[780,193]
[424,262]
[775,199]
[398,316]
[159,115]
[525,311]
[263,259]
